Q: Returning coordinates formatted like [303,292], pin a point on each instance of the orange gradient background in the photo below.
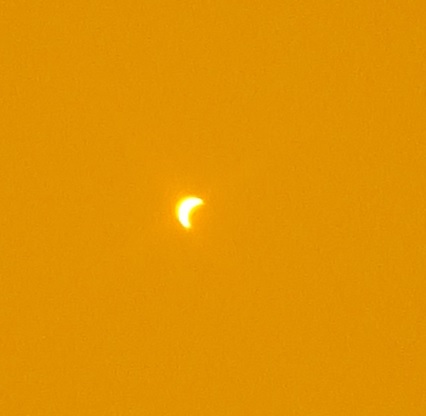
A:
[300,289]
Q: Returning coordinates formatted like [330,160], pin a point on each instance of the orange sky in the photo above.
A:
[300,289]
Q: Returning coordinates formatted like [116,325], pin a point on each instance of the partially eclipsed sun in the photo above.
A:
[185,207]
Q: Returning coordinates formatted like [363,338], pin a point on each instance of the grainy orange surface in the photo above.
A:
[300,289]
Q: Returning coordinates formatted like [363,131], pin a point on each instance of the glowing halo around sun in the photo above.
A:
[185,208]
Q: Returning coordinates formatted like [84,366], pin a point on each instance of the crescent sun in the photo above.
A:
[185,207]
